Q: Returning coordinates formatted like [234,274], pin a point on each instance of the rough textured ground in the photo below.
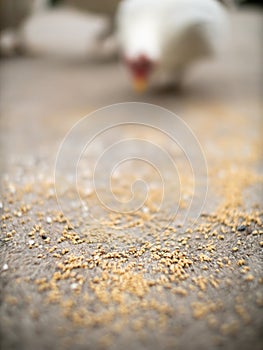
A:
[87,278]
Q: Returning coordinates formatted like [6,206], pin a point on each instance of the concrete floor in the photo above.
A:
[143,281]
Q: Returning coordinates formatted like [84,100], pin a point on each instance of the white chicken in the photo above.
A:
[63,33]
[68,33]
[159,39]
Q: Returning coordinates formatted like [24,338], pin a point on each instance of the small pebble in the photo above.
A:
[5,267]
[249,230]
[48,220]
[31,241]
[241,228]
[88,191]
[74,286]
[12,189]
[85,208]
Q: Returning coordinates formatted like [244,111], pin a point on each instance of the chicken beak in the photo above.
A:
[140,84]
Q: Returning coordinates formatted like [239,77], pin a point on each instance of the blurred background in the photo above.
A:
[46,93]
[14,11]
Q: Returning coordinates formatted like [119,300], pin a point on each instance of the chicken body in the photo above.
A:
[169,35]
[66,33]
[63,33]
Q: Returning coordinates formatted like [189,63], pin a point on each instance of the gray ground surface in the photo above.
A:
[79,276]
